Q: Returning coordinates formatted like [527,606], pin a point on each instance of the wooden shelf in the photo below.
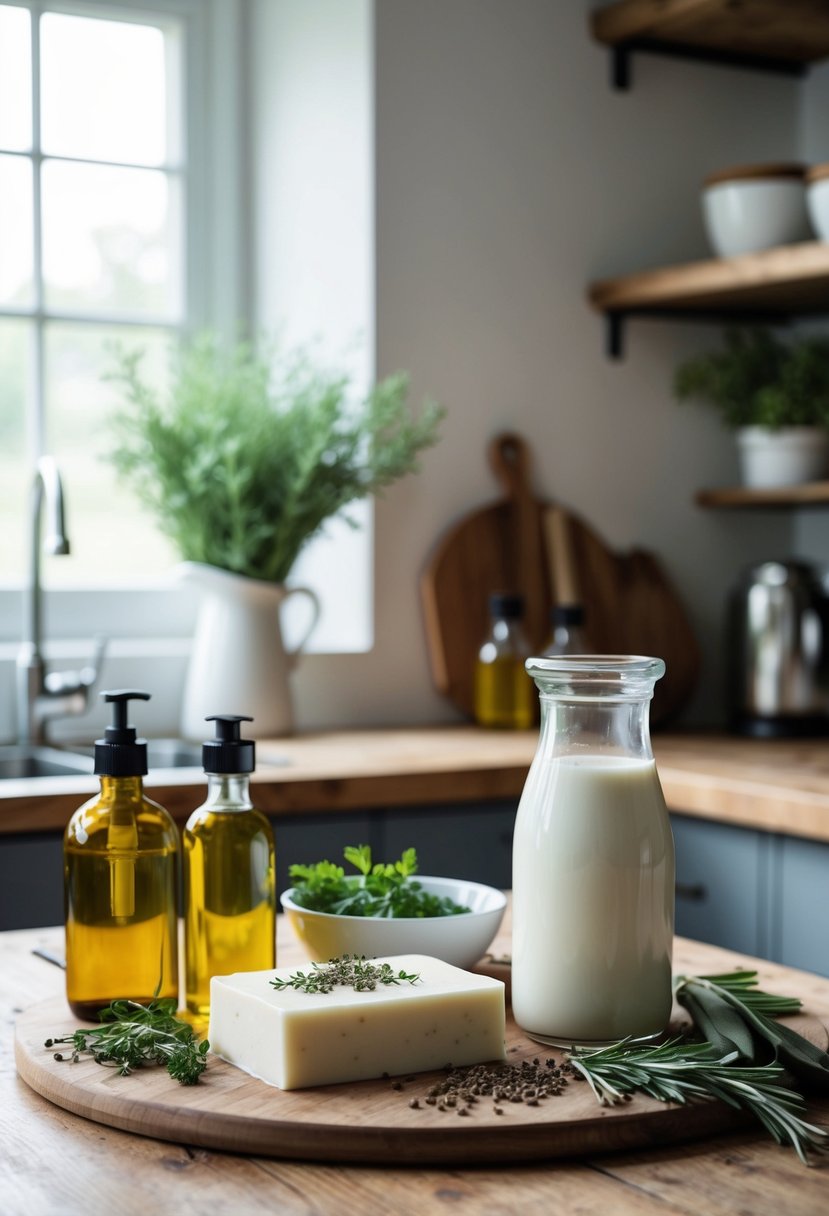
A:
[773,286]
[772,35]
[812,494]
[790,279]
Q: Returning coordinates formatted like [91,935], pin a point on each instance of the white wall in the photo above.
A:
[508,175]
[811,528]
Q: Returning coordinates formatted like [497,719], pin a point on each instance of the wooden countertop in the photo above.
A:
[53,1161]
[776,786]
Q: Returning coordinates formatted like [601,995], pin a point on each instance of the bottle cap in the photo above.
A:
[567,614]
[507,605]
[120,753]
[228,752]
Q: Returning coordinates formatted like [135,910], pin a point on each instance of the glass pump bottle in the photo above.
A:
[120,880]
[593,859]
[229,880]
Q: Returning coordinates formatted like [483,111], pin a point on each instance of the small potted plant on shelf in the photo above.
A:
[775,395]
[242,460]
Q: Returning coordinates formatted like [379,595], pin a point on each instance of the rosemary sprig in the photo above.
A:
[348,971]
[678,1071]
[132,1035]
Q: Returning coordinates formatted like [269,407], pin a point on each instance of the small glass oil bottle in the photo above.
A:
[504,693]
[567,635]
[229,880]
[120,880]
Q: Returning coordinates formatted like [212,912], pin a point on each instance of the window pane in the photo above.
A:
[103,89]
[113,538]
[15,398]
[110,238]
[15,79]
[16,237]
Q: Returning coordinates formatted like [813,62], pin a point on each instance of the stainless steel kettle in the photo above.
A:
[778,651]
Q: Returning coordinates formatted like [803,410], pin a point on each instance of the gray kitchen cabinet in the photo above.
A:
[800,884]
[722,877]
[472,842]
[31,864]
[31,880]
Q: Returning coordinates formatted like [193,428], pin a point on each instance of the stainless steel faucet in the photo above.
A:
[41,696]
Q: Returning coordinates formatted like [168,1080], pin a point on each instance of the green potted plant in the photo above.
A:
[242,460]
[775,395]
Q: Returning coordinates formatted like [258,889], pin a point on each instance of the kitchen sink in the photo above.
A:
[169,753]
[173,753]
[20,761]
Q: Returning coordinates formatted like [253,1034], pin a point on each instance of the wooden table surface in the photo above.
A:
[774,785]
[53,1162]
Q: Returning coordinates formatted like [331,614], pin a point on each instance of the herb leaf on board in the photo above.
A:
[132,1035]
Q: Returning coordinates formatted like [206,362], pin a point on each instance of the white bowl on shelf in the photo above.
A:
[461,939]
[817,199]
[754,207]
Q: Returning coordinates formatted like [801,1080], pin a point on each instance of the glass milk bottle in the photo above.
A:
[593,859]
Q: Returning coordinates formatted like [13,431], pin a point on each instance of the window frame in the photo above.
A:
[215,286]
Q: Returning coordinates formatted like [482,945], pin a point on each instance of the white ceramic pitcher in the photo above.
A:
[238,663]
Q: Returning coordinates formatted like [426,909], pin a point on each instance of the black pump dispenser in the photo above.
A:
[120,753]
[228,752]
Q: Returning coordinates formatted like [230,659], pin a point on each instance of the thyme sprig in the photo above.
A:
[132,1035]
[679,1071]
[348,971]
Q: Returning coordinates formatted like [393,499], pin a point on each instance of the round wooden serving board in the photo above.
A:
[364,1122]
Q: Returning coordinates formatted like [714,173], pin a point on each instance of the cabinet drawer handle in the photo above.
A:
[694,891]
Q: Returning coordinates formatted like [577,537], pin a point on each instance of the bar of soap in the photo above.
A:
[295,1039]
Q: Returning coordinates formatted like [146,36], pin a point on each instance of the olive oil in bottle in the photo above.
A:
[504,693]
[229,881]
[120,880]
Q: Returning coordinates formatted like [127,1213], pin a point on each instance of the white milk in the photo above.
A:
[593,901]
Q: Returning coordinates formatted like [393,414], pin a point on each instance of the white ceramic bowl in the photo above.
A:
[817,199]
[755,207]
[461,939]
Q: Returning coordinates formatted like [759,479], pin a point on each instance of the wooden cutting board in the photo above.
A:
[366,1122]
[550,555]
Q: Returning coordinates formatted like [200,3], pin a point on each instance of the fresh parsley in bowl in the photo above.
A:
[384,910]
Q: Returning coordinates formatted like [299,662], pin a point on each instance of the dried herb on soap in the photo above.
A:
[380,889]
[348,972]
[132,1035]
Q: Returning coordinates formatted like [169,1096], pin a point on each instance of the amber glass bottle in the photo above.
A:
[120,880]
[229,881]
[504,693]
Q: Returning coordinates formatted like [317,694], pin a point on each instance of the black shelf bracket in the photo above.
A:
[620,57]
[616,318]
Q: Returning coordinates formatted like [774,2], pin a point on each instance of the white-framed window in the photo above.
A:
[136,161]
[102,241]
